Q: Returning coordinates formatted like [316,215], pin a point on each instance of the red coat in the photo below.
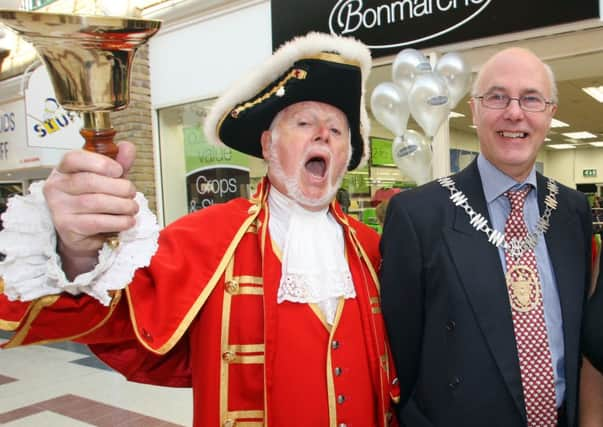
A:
[204,314]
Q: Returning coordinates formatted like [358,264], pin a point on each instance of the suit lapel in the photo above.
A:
[482,277]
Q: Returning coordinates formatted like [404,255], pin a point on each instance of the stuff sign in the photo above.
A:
[49,125]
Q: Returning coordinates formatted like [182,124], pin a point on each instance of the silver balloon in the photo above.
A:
[389,105]
[408,64]
[428,102]
[453,68]
[412,155]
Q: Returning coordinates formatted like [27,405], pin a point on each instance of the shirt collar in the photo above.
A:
[495,182]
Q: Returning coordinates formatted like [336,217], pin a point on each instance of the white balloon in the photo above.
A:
[428,102]
[453,68]
[408,64]
[412,155]
[389,105]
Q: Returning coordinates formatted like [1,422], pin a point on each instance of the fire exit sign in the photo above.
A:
[589,173]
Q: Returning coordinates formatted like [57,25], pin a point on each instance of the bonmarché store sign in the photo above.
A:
[389,26]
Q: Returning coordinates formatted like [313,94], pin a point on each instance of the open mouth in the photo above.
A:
[317,166]
[506,134]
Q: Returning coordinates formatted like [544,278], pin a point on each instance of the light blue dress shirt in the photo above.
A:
[495,183]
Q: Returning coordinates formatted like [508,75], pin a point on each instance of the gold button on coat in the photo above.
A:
[232,287]
[228,356]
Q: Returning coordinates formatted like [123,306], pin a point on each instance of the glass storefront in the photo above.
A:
[194,173]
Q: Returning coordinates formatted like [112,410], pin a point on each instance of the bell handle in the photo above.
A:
[100,141]
[98,135]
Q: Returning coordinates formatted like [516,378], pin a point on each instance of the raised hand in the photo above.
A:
[89,196]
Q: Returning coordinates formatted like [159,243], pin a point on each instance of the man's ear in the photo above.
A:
[266,141]
[553,109]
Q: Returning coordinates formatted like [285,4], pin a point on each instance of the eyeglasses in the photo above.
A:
[499,101]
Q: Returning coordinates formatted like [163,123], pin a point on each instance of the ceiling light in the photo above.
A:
[547,139]
[455,115]
[579,135]
[595,92]
[596,144]
[473,126]
[558,124]
[561,146]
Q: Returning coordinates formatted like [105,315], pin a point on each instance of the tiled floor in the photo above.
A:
[62,385]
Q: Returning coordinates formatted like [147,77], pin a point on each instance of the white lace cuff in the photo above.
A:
[32,267]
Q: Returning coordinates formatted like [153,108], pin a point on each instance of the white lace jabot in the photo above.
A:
[314,267]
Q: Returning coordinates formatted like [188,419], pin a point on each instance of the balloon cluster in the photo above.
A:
[425,93]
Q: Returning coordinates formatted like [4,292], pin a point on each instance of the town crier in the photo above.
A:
[268,308]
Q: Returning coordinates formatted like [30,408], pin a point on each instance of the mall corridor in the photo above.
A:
[63,385]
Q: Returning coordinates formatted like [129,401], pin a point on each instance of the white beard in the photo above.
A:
[291,183]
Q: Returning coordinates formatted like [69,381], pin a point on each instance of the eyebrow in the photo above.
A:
[523,92]
[330,118]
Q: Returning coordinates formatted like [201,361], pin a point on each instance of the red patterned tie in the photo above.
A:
[525,295]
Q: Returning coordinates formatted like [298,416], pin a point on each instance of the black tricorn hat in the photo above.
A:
[316,67]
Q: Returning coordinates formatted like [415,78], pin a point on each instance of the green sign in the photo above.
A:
[357,182]
[381,152]
[589,173]
[199,153]
[214,173]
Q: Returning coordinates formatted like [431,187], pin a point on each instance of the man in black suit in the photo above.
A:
[484,321]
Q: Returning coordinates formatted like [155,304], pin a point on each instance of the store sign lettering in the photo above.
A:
[211,154]
[7,122]
[221,186]
[55,119]
[4,150]
[209,186]
[351,16]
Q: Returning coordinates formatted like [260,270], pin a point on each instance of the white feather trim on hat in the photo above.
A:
[280,61]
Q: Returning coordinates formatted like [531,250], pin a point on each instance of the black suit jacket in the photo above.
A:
[447,309]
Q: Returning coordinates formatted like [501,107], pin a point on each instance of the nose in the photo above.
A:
[513,110]
[322,133]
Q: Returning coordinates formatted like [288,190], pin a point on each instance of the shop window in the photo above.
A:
[194,173]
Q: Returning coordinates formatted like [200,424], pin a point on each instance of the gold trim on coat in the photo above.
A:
[192,312]
[114,302]
[227,355]
[6,325]
[331,394]
[237,353]
[37,307]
